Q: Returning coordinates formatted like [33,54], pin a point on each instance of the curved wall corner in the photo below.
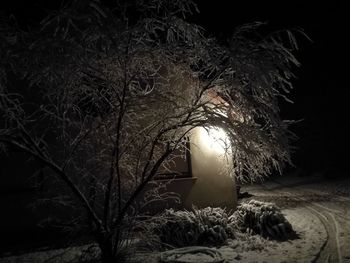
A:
[210,166]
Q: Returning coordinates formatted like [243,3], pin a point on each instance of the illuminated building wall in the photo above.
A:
[211,164]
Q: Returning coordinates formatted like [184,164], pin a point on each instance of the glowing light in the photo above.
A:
[215,139]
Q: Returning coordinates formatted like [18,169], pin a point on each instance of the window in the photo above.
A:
[178,165]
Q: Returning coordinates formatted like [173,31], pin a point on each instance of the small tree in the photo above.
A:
[116,91]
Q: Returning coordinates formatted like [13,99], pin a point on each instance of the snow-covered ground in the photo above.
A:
[317,208]
[325,200]
[256,249]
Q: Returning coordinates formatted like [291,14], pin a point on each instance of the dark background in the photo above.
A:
[320,95]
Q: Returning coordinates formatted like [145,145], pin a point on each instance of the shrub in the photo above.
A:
[208,226]
[262,218]
[214,226]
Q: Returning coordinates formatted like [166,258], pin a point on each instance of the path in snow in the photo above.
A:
[320,200]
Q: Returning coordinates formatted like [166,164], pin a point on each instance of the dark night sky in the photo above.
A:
[320,94]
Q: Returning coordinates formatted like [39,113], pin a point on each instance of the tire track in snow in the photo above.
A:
[336,224]
[273,184]
[330,251]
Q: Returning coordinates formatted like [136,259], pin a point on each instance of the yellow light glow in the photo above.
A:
[215,139]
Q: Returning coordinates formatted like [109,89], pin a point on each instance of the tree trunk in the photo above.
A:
[106,248]
[107,253]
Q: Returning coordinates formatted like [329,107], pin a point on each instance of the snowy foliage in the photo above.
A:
[108,95]
[262,218]
[214,226]
[207,226]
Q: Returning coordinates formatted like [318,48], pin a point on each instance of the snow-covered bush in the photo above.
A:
[208,226]
[262,218]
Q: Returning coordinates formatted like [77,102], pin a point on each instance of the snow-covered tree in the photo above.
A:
[115,91]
